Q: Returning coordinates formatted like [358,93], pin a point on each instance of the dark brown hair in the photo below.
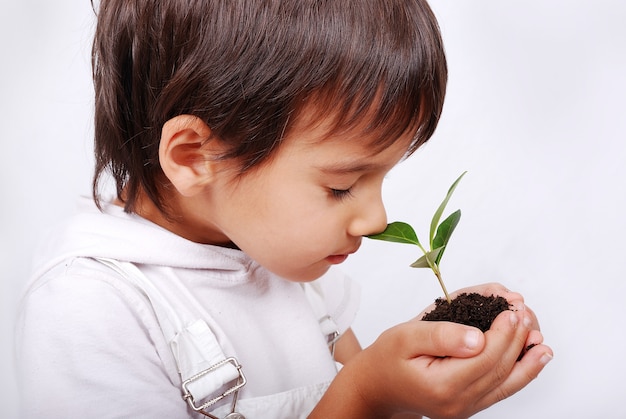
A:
[246,67]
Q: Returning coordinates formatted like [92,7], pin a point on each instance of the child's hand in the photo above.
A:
[515,299]
[439,369]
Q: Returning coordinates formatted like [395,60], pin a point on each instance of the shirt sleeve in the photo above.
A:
[334,297]
[86,347]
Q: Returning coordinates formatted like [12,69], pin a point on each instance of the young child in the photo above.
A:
[248,142]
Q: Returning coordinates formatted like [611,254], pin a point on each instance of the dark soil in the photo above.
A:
[470,309]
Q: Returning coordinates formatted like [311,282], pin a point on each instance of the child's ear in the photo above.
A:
[186,153]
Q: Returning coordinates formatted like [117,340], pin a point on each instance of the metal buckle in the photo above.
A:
[241,381]
[328,325]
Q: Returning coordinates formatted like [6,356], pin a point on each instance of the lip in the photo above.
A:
[341,257]
[337,259]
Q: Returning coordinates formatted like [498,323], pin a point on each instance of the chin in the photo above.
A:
[307,276]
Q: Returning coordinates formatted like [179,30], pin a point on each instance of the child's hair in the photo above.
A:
[247,67]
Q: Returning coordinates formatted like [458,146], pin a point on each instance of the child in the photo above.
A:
[248,142]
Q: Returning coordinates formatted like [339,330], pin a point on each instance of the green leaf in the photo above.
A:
[398,232]
[435,221]
[444,232]
[428,256]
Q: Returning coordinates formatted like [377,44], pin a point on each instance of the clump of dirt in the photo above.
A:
[471,309]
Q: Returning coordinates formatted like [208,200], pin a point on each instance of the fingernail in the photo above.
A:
[513,318]
[527,322]
[472,338]
[545,358]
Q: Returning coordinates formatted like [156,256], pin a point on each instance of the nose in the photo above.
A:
[370,217]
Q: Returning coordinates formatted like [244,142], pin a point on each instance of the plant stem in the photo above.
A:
[443,287]
[437,272]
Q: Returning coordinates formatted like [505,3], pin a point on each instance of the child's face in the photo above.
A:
[309,206]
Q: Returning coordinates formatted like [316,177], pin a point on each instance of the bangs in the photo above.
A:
[392,73]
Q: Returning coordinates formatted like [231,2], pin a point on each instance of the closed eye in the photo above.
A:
[341,194]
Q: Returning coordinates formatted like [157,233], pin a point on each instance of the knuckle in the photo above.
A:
[438,335]
[501,372]
[394,337]
[387,338]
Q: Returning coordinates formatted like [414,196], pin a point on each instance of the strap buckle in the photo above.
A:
[241,381]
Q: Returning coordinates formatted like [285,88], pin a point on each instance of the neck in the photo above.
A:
[180,218]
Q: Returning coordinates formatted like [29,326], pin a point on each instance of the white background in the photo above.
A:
[535,112]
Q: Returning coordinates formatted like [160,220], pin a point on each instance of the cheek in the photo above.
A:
[289,234]
[282,221]
[292,210]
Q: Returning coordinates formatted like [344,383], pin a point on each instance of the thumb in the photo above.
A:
[446,339]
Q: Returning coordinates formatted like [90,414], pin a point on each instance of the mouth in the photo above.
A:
[341,257]
[336,259]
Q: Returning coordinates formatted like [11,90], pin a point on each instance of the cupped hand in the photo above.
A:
[447,370]
[440,369]
[515,299]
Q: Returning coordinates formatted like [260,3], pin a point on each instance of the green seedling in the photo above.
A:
[440,233]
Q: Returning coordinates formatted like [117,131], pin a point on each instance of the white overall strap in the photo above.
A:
[203,367]
[315,296]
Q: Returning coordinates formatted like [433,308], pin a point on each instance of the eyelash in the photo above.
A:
[341,194]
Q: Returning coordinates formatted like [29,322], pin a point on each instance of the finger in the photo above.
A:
[440,339]
[504,343]
[476,380]
[535,325]
[534,338]
[521,375]
[506,347]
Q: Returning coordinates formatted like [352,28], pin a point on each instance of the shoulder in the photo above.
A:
[81,301]
[83,291]
[82,331]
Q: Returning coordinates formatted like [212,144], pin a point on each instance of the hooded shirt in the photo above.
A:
[90,345]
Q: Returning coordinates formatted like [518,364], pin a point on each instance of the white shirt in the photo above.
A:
[89,345]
